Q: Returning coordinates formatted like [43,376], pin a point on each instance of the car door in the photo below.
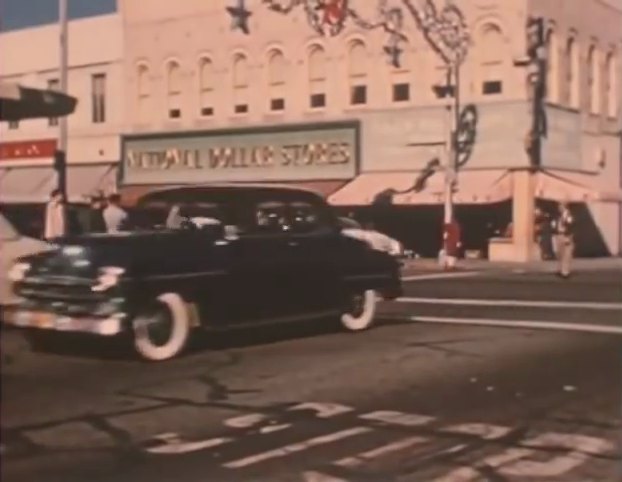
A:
[261,268]
[314,245]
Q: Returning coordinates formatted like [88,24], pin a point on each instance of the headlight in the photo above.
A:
[108,277]
[18,271]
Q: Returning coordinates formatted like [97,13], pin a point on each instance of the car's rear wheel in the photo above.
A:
[360,310]
[162,329]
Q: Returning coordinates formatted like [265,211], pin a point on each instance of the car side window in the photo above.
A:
[304,217]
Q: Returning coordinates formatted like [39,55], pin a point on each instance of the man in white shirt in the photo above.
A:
[55,216]
[114,215]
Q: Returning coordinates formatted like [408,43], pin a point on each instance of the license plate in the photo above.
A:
[42,320]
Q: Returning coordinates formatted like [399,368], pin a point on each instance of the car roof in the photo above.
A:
[220,187]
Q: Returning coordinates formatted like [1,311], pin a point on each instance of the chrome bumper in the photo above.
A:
[110,326]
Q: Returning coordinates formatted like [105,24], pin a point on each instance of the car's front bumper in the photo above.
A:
[103,326]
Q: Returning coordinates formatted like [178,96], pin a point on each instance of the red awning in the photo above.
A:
[572,187]
[472,187]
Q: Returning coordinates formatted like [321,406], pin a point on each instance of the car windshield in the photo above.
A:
[7,231]
[176,215]
[349,223]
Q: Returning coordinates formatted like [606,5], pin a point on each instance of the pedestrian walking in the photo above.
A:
[55,216]
[564,239]
[115,216]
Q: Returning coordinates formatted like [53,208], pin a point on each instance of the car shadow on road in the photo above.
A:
[120,349]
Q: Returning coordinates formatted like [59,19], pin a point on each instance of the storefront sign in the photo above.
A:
[34,149]
[290,154]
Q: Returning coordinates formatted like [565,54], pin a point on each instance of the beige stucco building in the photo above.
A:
[206,101]
[30,57]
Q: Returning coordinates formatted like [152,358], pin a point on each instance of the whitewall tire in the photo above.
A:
[361,311]
[162,332]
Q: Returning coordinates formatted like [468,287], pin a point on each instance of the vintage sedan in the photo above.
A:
[209,258]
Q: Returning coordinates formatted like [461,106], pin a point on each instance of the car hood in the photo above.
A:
[83,256]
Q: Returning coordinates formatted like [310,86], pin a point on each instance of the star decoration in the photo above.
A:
[239,16]
[394,52]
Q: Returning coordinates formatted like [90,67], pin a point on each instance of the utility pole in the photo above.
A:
[60,157]
[453,149]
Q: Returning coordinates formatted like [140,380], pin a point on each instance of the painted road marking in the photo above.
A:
[364,457]
[482,430]
[398,418]
[514,462]
[323,410]
[422,277]
[320,477]
[245,421]
[530,324]
[296,447]
[586,305]
[172,444]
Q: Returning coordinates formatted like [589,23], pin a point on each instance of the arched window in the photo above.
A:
[173,86]
[317,77]
[573,80]
[206,87]
[552,57]
[491,59]
[594,80]
[276,80]
[143,91]
[357,73]
[612,85]
[240,84]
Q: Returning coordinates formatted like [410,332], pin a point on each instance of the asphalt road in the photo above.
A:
[481,376]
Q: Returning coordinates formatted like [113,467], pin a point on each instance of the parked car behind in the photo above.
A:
[375,239]
[13,245]
[208,258]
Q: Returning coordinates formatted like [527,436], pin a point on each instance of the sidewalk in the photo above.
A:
[579,264]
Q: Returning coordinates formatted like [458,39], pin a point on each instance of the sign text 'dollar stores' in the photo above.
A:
[285,155]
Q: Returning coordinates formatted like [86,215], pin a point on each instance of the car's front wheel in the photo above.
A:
[161,330]
[360,310]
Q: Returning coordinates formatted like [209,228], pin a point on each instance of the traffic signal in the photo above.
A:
[60,166]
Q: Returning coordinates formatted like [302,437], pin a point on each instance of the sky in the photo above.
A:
[17,14]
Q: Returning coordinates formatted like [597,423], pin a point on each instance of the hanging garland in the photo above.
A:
[445,31]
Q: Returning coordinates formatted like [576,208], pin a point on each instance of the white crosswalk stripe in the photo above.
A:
[540,455]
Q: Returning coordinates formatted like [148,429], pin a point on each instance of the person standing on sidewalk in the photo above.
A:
[114,215]
[564,237]
[55,216]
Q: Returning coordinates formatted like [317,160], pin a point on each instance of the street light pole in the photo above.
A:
[453,152]
[61,153]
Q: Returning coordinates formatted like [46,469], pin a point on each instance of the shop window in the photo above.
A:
[143,92]
[174,90]
[612,86]
[13,125]
[358,95]
[317,77]
[277,104]
[240,84]
[357,73]
[552,77]
[594,80]
[492,87]
[401,92]
[206,87]
[491,56]
[573,79]
[276,80]
[98,98]
[318,101]
[53,84]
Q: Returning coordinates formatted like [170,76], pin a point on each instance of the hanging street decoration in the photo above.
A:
[239,16]
[445,30]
